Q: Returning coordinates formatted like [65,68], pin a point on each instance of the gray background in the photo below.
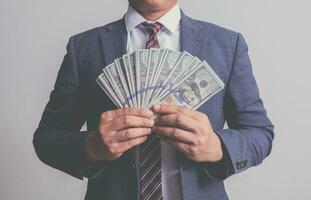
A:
[33,35]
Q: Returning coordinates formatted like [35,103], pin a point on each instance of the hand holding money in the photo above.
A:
[189,131]
[118,131]
[147,77]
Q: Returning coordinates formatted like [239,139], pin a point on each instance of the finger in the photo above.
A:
[170,109]
[131,133]
[174,134]
[178,120]
[130,121]
[124,146]
[112,114]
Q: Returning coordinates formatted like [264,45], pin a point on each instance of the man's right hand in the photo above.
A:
[118,131]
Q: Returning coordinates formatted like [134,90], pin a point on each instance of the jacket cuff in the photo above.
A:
[93,170]
[222,169]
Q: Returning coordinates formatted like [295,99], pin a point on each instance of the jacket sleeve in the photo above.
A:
[249,137]
[58,140]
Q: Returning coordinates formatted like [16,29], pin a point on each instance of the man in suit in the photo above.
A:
[120,152]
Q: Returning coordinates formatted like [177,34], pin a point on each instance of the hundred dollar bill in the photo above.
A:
[162,55]
[137,80]
[142,57]
[120,68]
[164,70]
[195,63]
[159,66]
[113,77]
[196,89]
[152,61]
[130,77]
[176,80]
[182,64]
[150,76]
[133,69]
[153,81]
[104,83]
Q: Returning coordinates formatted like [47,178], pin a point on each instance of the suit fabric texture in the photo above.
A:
[77,99]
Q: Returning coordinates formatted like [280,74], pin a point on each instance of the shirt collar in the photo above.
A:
[169,20]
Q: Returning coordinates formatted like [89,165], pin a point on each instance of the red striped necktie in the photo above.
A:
[152,29]
[150,151]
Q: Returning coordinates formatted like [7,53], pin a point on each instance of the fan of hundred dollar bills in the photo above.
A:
[149,76]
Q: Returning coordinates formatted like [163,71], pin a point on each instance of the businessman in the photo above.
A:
[167,152]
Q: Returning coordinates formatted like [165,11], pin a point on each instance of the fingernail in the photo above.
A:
[148,112]
[151,122]
[156,107]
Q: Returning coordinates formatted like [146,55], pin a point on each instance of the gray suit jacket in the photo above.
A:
[77,98]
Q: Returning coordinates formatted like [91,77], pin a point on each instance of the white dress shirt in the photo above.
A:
[168,37]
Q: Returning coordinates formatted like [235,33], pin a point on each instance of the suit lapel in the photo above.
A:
[191,38]
[114,41]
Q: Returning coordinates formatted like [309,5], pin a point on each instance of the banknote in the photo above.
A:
[120,68]
[196,89]
[162,55]
[130,77]
[107,87]
[149,76]
[137,76]
[182,64]
[152,62]
[176,80]
[167,65]
[112,75]
[153,81]
[131,58]
[142,56]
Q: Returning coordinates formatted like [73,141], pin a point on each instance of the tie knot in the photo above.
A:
[151,28]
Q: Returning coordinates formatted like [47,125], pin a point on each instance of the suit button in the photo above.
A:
[240,165]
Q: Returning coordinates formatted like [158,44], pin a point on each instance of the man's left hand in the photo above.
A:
[189,131]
